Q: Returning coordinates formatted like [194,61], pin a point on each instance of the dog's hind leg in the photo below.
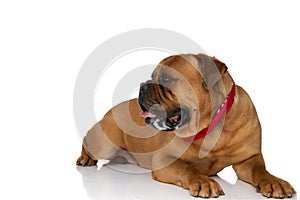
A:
[96,145]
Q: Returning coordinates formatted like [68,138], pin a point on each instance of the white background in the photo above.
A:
[42,48]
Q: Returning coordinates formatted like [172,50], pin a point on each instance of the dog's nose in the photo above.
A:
[144,87]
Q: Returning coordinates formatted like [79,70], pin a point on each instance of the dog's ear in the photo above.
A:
[211,68]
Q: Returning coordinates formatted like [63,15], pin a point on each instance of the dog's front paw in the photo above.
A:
[85,159]
[203,186]
[272,186]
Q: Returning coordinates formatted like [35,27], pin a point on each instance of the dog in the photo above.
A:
[189,122]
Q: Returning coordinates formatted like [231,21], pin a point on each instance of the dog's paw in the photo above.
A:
[205,187]
[275,187]
[85,160]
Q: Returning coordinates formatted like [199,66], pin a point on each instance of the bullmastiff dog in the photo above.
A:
[189,122]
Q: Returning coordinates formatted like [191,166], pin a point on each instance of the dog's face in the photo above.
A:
[178,95]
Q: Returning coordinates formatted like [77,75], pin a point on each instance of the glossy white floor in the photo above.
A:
[130,182]
[133,183]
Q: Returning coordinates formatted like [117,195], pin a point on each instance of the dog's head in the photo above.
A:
[183,93]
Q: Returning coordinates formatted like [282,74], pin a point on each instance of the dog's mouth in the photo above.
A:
[165,121]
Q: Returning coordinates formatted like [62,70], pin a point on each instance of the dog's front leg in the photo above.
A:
[253,171]
[186,176]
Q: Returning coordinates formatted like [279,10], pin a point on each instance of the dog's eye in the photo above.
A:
[165,80]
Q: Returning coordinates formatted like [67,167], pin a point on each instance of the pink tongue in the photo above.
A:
[146,114]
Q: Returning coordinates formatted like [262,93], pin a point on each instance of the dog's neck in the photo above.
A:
[218,116]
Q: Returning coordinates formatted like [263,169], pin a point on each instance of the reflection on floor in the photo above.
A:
[127,181]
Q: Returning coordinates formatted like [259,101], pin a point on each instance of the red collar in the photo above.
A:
[220,114]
